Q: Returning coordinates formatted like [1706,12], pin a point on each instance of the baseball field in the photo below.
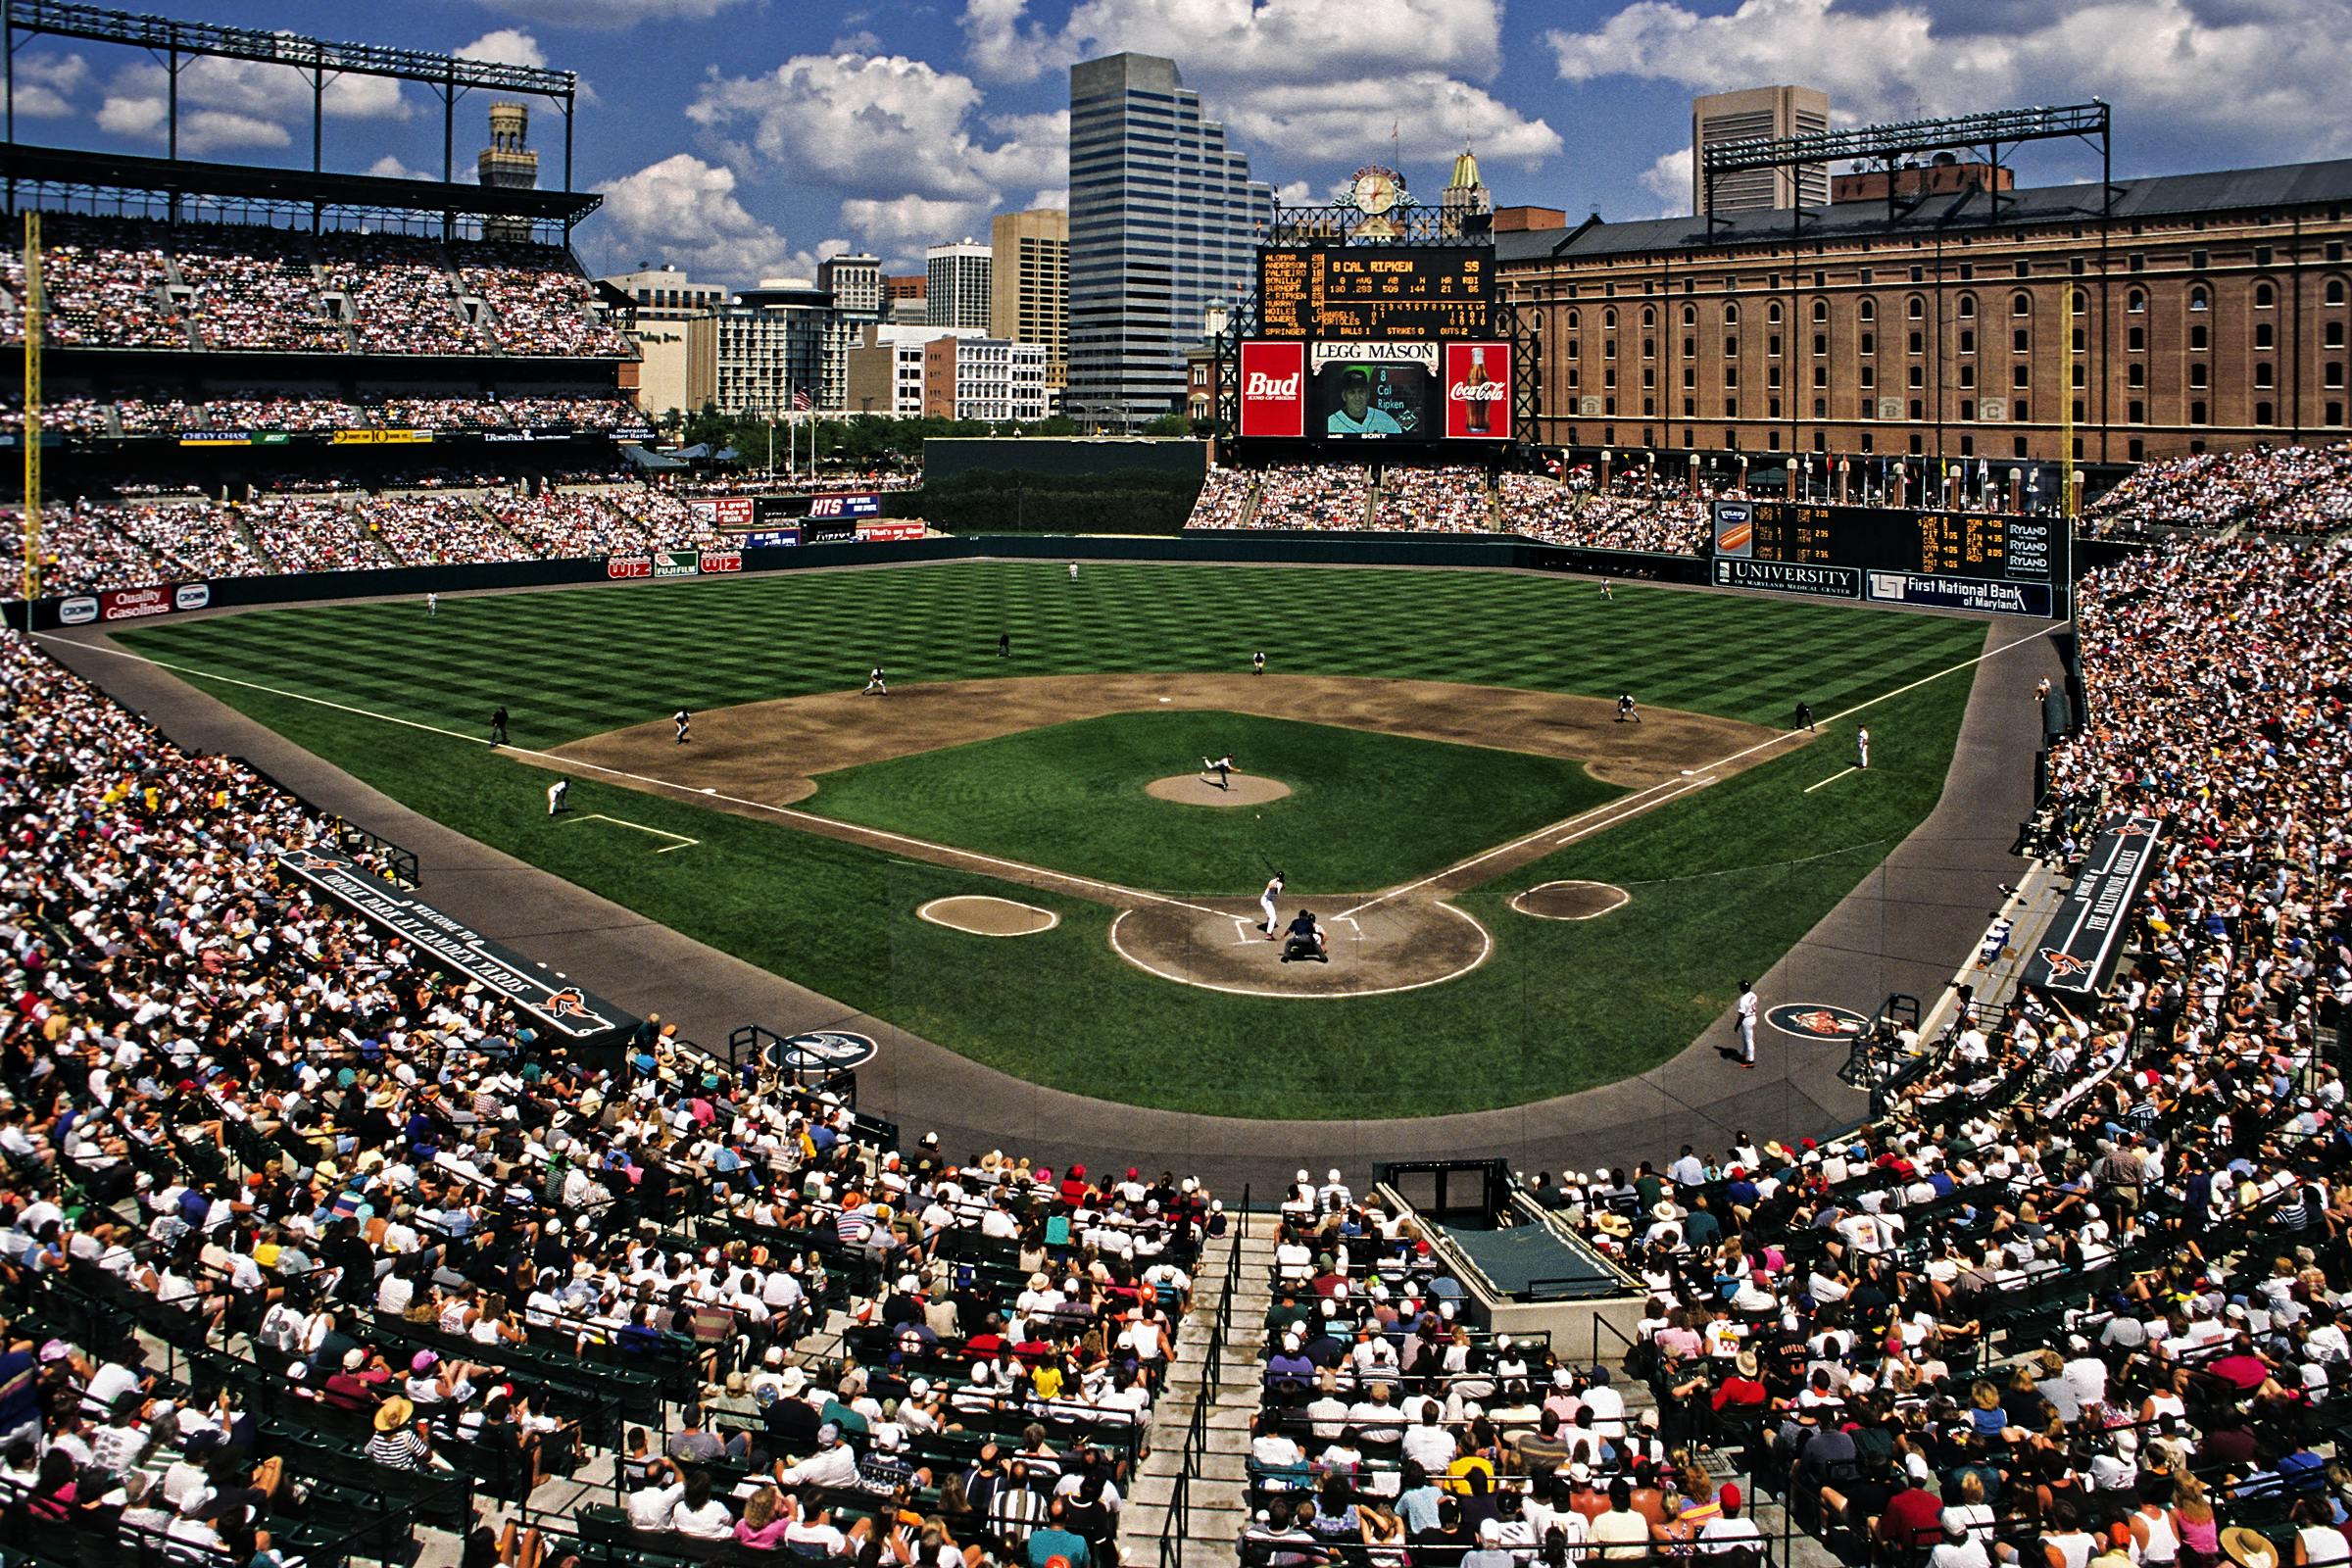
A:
[1424,749]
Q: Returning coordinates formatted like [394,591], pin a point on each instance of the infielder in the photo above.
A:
[557,794]
[875,685]
[1003,645]
[1258,663]
[1862,746]
[1626,711]
[1745,1023]
[1222,766]
[1265,901]
[682,719]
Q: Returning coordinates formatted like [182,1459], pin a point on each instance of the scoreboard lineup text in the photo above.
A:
[1935,542]
[1339,293]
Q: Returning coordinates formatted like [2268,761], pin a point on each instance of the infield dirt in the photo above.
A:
[756,757]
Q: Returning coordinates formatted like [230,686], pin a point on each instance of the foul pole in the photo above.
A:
[33,303]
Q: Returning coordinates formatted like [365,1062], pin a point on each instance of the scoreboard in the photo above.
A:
[1375,293]
[1961,543]
[1377,343]
[1958,559]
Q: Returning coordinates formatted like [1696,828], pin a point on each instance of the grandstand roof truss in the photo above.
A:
[1990,132]
[175,44]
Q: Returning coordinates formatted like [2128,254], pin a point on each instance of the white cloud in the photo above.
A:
[857,123]
[1309,76]
[1239,39]
[2271,74]
[46,85]
[237,103]
[1296,193]
[603,14]
[1326,119]
[504,46]
[1057,199]
[1669,180]
[389,166]
[898,228]
[685,210]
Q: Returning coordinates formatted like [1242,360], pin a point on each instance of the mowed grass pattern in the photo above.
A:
[1723,881]
[1366,809]
[579,662]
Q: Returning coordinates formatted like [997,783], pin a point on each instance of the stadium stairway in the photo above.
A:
[1217,1496]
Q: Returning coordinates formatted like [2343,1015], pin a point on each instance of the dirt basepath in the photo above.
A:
[769,751]
[757,758]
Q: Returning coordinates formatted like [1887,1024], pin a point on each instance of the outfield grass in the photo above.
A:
[1723,881]
[1366,809]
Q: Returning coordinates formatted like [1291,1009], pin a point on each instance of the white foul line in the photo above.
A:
[683,841]
[1832,778]
[1721,761]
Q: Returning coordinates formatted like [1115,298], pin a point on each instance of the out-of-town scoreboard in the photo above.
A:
[1339,293]
[1957,559]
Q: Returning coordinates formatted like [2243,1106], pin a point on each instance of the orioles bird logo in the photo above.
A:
[1819,1023]
[2133,830]
[569,1004]
[307,860]
[2063,964]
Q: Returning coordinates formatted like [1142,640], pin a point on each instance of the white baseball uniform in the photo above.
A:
[1265,901]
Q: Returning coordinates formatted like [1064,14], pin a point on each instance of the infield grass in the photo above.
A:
[1366,809]
[1723,881]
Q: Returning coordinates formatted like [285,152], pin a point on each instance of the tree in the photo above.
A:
[1055,424]
[1169,424]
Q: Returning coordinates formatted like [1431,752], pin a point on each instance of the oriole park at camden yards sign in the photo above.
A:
[452,945]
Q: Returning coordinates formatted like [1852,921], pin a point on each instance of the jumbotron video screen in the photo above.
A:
[1361,343]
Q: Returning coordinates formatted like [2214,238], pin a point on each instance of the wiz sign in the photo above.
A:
[1274,389]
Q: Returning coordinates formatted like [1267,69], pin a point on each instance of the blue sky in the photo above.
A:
[748,139]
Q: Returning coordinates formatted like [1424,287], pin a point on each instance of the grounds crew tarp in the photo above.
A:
[452,946]
[2079,951]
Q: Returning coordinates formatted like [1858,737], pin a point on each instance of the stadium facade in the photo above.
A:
[2199,312]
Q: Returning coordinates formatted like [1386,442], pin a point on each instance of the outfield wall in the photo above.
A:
[1200,546]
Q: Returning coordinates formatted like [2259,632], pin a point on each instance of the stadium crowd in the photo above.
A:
[135,283]
[1316,496]
[2080,1296]
[2271,489]
[397,1237]
[1453,499]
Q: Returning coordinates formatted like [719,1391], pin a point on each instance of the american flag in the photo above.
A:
[800,400]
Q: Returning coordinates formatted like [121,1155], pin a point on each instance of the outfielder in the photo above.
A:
[1745,1023]
[432,606]
[682,719]
[1222,766]
[557,794]
[1862,746]
[1073,572]
[875,686]
[1265,901]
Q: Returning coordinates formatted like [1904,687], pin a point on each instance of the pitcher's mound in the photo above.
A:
[1571,901]
[980,915]
[1196,789]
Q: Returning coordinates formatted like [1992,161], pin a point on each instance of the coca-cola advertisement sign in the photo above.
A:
[1478,391]
[133,604]
[1274,389]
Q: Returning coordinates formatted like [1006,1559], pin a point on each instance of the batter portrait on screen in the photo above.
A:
[1372,401]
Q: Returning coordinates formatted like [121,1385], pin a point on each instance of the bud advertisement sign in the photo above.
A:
[1274,389]
[1478,391]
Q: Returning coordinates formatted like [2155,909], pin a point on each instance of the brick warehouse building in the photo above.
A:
[2207,311]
